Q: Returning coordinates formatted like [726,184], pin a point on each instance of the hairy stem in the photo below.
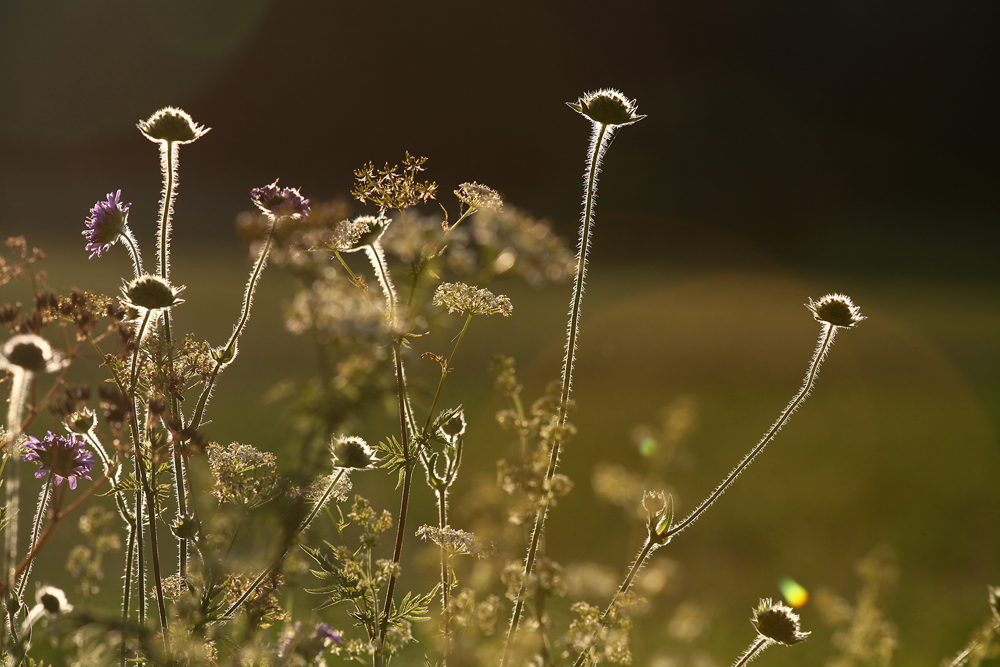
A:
[755,649]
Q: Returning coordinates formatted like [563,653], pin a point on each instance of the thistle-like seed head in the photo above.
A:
[53,600]
[151,293]
[835,309]
[607,107]
[352,452]
[31,353]
[777,622]
[172,125]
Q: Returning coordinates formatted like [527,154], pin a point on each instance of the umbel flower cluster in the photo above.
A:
[209,549]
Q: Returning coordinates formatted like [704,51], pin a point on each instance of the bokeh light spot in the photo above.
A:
[795,595]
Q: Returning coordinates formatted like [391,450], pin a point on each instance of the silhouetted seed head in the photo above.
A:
[28,352]
[151,293]
[106,223]
[352,452]
[455,426]
[777,622]
[82,421]
[185,527]
[607,107]
[835,309]
[362,231]
[280,202]
[53,600]
[172,125]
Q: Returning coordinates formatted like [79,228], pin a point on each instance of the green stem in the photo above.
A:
[36,527]
[134,374]
[133,250]
[826,337]
[445,369]
[755,649]
[597,146]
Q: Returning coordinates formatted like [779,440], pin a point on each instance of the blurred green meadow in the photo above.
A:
[898,445]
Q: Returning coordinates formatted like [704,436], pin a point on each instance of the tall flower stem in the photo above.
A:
[827,334]
[20,386]
[600,136]
[755,649]
[43,503]
[313,513]
[133,251]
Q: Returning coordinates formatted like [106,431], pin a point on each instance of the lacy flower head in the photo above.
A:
[777,623]
[462,298]
[607,107]
[835,309]
[172,125]
[479,197]
[357,234]
[106,223]
[66,457]
[31,353]
[280,202]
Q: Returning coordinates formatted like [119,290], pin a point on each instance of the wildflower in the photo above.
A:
[359,233]
[65,457]
[778,623]
[352,452]
[280,202]
[607,107]
[461,298]
[151,293]
[835,309]
[456,541]
[244,475]
[31,353]
[328,634]
[479,197]
[106,224]
[172,125]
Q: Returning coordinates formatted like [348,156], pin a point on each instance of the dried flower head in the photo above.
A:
[607,107]
[280,202]
[28,352]
[66,457]
[53,600]
[777,622]
[172,125]
[479,197]
[456,541]
[392,187]
[835,309]
[462,298]
[356,234]
[106,224]
[352,452]
[151,293]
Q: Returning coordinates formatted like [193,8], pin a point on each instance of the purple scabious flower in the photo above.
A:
[106,224]
[325,632]
[280,202]
[66,457]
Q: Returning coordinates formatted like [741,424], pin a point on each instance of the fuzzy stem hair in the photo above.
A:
[755,649]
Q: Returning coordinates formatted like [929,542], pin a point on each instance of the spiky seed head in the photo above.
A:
[172,125]
[607,107]
[151,293]
[777,622]
[836,309]
[82,421]
[53,600]
[352,452]
[31,353]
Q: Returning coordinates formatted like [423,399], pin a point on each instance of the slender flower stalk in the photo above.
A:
[775,624]
[607,110]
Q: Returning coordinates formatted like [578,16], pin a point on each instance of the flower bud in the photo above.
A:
[171,125]
[352,452]
[607,107]
[151,293]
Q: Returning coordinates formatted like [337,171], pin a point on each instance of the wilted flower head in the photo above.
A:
[835,309]
[479,197]
[352,452]
[151,293]
[66,457]
[607,107]
[462,298]
[106,223]
[172,125]
[356,234]
[777,622]
[280,202]
[28,352]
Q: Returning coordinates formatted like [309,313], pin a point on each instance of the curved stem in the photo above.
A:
[133,250]
[825,341]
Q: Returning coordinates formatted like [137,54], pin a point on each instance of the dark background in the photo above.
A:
[790,149]
[851,135]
